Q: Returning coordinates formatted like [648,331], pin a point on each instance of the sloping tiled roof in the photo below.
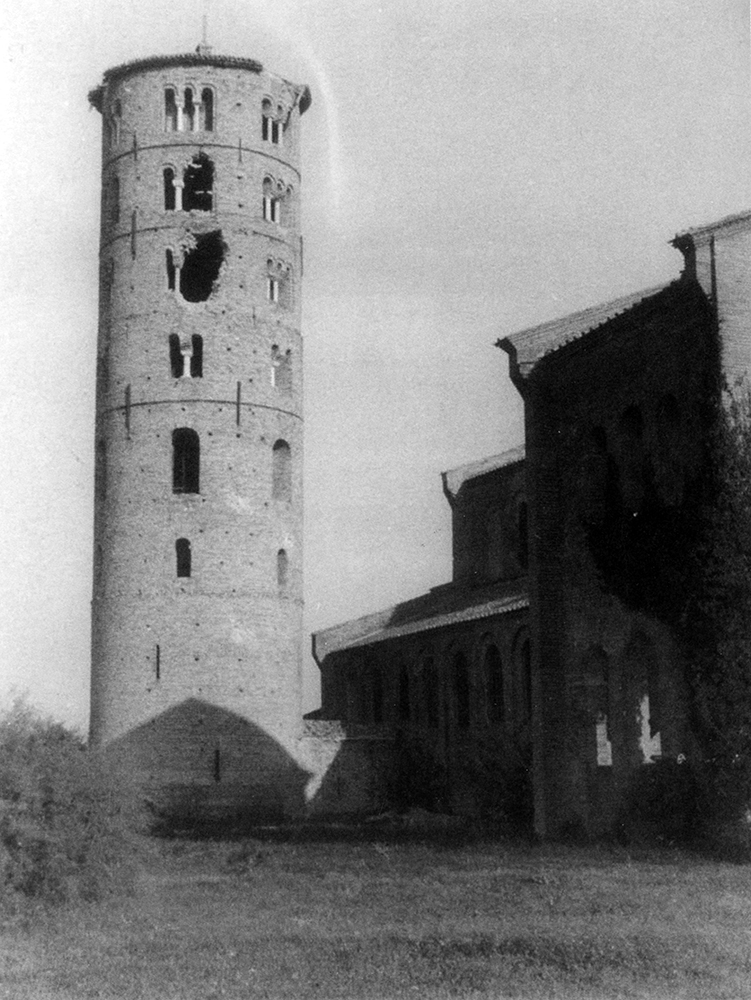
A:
[741,220]
[527,346]
[450,604]
[453,478]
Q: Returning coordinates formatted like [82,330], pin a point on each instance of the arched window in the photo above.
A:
[494,684]
[198,184]
[630,434]
[207,109]
[196,358]
[281,369]
[642,668]
[271,126]
[170,110]
[117,122]
[282,567]
[168,175]
[670,451]
[272,202]
[461,691]
[278,283]
[430,692]
[185,461]
[189,111]
[592,475]
[281,475]
[182,553]
[525,681]
[404,704]
[175,356]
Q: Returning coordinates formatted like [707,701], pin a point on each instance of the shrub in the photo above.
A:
[420,779]
[499,772]
[68,818]
[663,804]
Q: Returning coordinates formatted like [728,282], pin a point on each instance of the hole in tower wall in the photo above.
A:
[201,267]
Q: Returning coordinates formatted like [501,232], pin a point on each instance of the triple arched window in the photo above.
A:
[189,109]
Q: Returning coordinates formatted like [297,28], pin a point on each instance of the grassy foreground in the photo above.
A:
[394,918]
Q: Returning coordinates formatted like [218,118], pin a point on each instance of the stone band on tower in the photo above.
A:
[197,600]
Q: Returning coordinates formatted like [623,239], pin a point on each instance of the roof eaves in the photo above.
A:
[430,623]
[532,344]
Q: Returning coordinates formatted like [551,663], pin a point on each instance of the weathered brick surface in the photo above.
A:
[228,637]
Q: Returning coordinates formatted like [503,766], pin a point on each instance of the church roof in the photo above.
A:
[450,604]
[722,227]
[528,346]
[453,479]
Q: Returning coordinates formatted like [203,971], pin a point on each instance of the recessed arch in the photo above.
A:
[186,450]
[183,557]
[281,475]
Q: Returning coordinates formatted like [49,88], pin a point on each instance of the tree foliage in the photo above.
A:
[67,815]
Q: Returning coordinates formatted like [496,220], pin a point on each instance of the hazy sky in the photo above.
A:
[469,168]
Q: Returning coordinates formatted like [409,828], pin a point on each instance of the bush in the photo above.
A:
[663,804]
[68,818]
[500,774]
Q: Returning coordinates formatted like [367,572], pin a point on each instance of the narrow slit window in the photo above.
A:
[185,461]
[196,358]
[171,269]
[282,568]
[183,558]
[272,289]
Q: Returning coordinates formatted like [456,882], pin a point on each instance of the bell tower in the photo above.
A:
[197,599]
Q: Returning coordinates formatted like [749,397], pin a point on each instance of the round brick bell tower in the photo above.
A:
[197,601]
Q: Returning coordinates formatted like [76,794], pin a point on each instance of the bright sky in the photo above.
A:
[469,168]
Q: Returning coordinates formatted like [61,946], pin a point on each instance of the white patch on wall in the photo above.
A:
[604,748]
[651,746]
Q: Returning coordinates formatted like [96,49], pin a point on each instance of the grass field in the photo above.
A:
[387,917]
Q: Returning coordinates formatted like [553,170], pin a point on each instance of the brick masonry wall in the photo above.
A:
[637,360]
[229,636]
